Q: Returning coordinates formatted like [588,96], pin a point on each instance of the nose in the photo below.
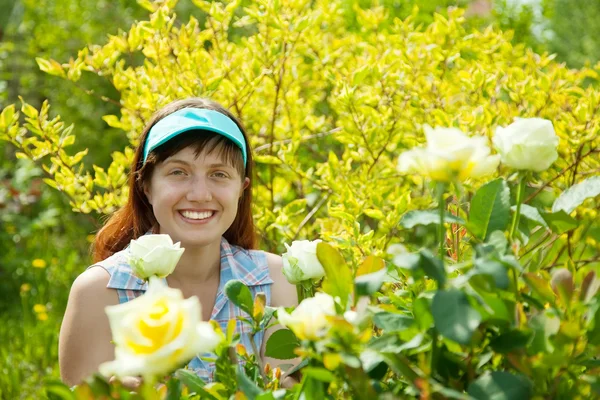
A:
[199,190]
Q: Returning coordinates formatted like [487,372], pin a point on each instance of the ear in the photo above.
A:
[245,185]
[146,187]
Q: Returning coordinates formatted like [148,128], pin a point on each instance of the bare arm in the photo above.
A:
[85,337]
[283,294]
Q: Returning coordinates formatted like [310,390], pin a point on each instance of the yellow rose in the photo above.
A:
[449,155]
[156,333]
[309,319]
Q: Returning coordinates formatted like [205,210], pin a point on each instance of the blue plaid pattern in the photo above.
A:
[247,266]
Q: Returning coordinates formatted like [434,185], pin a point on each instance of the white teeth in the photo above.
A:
[197,215]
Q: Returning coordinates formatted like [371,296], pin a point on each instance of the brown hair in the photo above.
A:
[136,217]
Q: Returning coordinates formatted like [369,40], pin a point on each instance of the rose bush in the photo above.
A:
[468,308]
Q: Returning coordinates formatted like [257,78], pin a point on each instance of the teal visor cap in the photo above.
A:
[188,119]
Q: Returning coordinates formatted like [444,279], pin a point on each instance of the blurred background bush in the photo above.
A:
[44,245]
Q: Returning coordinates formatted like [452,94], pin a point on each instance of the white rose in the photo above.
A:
[448,155]
[527,143]
[156,333]
[309,319]
[300,263]
[154,255]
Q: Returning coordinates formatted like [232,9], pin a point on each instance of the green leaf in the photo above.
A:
[366,285]
[194,383]
[500,385]
[432,267]
[295,207]
[494,269]
[539,286]
[400,365]
[427,217]
[490,209]
[338,277]
[510,341]
[408,261]
[56,389]
[454,316]
[320,374]
[281,345]
[266,159]
[391,322]
[369,265]
[50,67]
[247,385]
[374,213]
[594,333]
[240,295]
[531,213]
[574,196]
[422,313]
[173,389]
[559,222]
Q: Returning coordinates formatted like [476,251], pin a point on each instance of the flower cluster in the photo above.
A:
[526,144]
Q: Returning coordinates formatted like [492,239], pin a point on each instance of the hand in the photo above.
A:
[128,382]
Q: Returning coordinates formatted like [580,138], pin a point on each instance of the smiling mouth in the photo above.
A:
[197,216]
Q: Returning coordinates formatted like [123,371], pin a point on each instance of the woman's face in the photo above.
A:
[195,198]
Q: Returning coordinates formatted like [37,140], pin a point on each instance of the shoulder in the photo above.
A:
[91,287]
[84,340]
[283,293]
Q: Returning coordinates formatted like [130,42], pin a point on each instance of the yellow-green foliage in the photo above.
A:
[328,108]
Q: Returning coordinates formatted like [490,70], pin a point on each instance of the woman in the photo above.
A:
[191,179]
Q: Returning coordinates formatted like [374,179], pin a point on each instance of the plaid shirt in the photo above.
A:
[248,266]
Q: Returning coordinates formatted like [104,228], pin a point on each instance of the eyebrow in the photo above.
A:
[184,162]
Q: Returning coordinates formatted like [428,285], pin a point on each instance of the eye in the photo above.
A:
[177,172]
[220,174]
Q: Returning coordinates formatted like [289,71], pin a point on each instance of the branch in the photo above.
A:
[561,173]
[308,137]
[310,215]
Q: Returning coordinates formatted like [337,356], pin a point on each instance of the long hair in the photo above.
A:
[136,217]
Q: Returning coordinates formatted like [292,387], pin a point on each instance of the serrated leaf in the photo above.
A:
[574,196]
[490,209]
